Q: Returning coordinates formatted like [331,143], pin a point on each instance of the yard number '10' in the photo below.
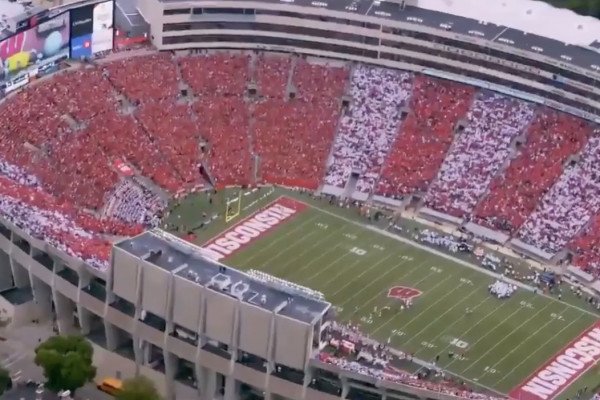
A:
[459,343]
[357,251]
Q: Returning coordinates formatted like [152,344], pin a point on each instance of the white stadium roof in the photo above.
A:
[526,15]
[9,9]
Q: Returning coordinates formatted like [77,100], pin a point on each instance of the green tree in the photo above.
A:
[66,361]
[138,388]
[5,381]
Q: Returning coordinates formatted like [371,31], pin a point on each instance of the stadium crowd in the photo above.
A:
[478,153]
[493,160]
[436,107]
[368,357]
[569,205]
[369,127]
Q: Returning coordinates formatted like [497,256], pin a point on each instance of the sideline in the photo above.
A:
[447,257]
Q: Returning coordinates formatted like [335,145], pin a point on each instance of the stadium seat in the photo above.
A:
[436,106]
[552,138]
[367,131]
[478,153]
[292,137]
[569,205]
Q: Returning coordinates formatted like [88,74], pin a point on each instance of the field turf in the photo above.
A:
[501,341]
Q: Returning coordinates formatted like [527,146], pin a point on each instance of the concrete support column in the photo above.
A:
[42,294]
[171,366]
[232,388]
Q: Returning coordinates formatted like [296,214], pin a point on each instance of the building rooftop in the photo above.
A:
[188,261]
[521,24]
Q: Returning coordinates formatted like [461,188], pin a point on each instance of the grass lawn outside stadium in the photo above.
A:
[332,250]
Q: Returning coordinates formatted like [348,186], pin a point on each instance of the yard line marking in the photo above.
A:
[503,339]
[350,281]
[415,336]
[416,317]
[286,248]
[551,320]
[343,270]
[479,322]
[368,302]
[441,334]
[356,261]
[280,237]
[513,369]
[446,256]
[331,265]
[334,248]
[308,248]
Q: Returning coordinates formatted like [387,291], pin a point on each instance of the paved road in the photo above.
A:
[17,355]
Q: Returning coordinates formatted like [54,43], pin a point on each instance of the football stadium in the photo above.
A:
[297,199]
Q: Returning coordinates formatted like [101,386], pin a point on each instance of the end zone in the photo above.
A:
[558,373]
[253,227]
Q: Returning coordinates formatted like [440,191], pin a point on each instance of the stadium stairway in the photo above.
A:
[207,174]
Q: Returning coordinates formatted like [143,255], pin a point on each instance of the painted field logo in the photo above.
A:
[251,228]
[574,360]
[404,293]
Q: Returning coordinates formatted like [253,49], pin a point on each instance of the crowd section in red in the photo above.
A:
[552,138]
[222,113]
[426,135]
[269,118]
[293,138]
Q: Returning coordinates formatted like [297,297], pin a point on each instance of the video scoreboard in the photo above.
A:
[43,40]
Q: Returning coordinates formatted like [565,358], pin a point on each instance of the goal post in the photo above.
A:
[233,207]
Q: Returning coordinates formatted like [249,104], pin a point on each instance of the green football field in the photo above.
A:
[503,341]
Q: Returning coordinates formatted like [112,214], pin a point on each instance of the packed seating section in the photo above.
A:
[293,136]
[569,205]
[62,138]
[586,247]
[552,138]
[220,82]
[478,153]
[369,127]
[436,107]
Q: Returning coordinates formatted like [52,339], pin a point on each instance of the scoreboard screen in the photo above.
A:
[92,29]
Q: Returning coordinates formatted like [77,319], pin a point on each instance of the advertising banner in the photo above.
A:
[92,29]
[103,31]
[46,43]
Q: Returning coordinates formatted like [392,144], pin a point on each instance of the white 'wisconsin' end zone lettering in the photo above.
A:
[249,229]
[566,367]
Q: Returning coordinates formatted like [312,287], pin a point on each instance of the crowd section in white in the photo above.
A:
[367,132]
[53,227]
[478,153]
[569,205]
[17,174]
[133,203]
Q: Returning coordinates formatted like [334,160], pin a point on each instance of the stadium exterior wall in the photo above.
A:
[386,42]
[73,294]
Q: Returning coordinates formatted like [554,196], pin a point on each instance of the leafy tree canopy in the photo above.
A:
[583,7]
[66,361]
[138,388]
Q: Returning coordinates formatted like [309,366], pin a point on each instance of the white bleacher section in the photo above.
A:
[133,203]
[478,153]
[367,132]
[569,205]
